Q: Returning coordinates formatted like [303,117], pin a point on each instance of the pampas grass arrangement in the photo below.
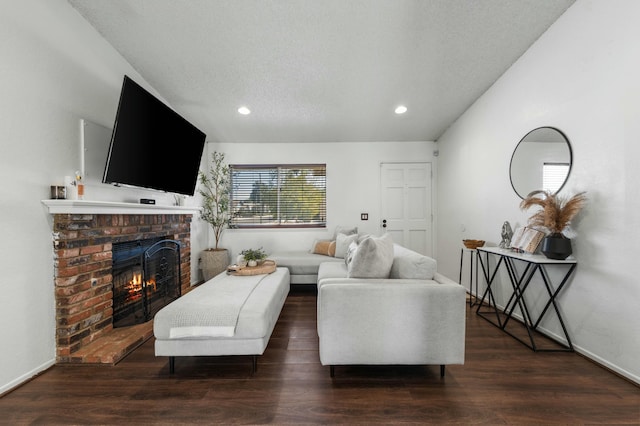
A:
[556,212]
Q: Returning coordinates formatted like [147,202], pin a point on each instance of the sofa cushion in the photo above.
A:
[411,265]
[331,270]
[373,258]
[342,244]
[300,262]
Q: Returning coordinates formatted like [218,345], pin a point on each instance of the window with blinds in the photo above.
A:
[274,196]
[554,175]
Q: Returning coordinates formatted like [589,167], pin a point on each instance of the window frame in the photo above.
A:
[280,170]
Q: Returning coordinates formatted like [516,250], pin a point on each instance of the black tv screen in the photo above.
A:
[151,145]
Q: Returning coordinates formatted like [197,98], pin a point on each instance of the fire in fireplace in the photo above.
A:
[146,277]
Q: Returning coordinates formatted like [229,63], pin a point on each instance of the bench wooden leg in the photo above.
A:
[442,370]
[332,371]
[172,364]
[254,364]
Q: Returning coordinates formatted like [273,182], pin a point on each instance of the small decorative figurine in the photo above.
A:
[506,234]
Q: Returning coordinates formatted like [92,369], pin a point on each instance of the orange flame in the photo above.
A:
[134,287]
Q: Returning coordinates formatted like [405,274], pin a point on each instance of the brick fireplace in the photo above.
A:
[82,246]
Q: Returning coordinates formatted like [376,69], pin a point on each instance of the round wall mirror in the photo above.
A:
[541,160]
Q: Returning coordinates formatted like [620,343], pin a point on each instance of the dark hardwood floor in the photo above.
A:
[502,382]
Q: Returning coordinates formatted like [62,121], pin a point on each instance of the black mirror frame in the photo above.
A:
[566,139]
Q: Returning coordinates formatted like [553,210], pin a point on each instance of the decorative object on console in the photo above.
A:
[556,246]
[215,191]
[555,217]
[506,233]
[473,244]
[526,240]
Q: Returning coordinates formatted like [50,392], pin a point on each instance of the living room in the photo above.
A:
[579,76]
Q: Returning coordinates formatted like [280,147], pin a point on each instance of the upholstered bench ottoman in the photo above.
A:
[227,315]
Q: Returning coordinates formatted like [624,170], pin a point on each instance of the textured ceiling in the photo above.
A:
[321,71]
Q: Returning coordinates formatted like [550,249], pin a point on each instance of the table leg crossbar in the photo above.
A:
[520,283]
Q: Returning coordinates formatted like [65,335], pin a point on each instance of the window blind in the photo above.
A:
[271,196]
[554,175]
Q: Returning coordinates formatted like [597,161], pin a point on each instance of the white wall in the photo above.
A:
[55,69]
[581,76]
[353,183]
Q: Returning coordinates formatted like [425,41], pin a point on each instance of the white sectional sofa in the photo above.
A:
[303,265]
[412,316]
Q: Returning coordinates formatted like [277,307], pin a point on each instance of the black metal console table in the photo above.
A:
[473,297]
[520,283]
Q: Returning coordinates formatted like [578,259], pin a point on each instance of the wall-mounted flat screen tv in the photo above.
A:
[152,146]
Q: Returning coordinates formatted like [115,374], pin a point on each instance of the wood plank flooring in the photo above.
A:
[502,382]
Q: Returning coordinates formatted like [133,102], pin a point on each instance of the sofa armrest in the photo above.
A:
[390,321]
[444,280]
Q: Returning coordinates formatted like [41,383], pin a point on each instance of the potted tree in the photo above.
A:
[216,197]
[554,216]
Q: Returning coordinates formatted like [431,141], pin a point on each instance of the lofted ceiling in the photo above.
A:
[321,70]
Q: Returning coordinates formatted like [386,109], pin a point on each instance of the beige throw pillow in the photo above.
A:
[325,247]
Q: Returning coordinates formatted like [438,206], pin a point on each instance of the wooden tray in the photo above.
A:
[267,267]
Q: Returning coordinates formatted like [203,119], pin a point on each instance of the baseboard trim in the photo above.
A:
[26,378]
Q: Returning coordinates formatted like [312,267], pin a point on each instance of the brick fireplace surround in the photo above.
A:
[83,282]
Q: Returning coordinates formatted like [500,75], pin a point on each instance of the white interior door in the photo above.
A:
[406,205]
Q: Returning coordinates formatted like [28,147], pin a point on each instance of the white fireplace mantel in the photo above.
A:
[113,207]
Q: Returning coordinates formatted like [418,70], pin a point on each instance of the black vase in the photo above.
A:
[556,246]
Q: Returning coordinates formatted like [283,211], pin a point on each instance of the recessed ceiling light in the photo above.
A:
[244,110]
[401,109]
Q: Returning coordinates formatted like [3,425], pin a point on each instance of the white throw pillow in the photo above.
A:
[373,258]
[342,244]
[363,236]
[346,230]
[351,252]
[411,265]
